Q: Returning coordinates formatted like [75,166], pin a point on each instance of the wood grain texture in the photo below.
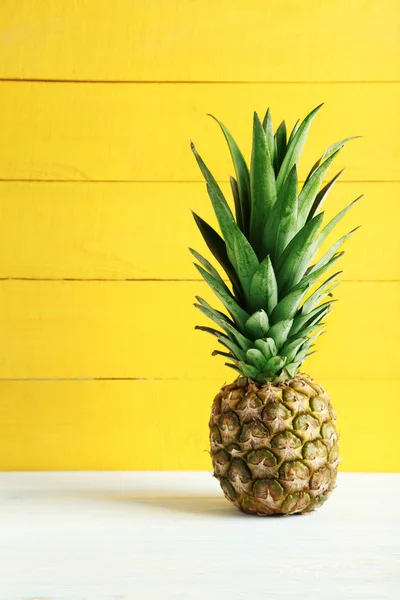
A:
[143,230]
[146,330]
[161,425]
[201,40]
[109,536]
[141,132]
[96,183]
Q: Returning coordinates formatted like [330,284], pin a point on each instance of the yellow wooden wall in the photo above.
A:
[100,367]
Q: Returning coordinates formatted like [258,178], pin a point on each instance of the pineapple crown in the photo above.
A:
[275,298]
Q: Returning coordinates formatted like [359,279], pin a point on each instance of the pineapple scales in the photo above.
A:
[274,443]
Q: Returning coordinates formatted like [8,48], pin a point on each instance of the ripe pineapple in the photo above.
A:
[274,444]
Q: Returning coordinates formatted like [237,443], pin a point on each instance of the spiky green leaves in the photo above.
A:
[311,187]
[280,146]
[296,258]
[295,147]
[242,175]
[239,250]
[282,225]
[262,183]
[264,287]
[217,246]
[267,251]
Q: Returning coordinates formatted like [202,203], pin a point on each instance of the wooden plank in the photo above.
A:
[146,330]
[141,132]
[190,41]
[139,230]
[67,425]
[108,536]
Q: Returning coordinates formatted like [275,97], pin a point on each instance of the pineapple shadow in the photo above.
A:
[208,506]
[144,502]
[201,506]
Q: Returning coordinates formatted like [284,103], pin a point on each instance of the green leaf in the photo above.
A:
[257,325]
[314,275]
[225,354]
[246,262]
[264,288]
[266,376]
[330,226]
[297,265]
[303,321]
[280,146]
[316,321]
[318,298]
[239,315]
[269,134]
[247,370]
[284,226]
[319,293]
[329,151]
[275,364]
[288,306]
[262,184]
[240,252]
[292,368]
[295,147]
[218,313]
[243,341]
[316,335]
[298,255]
[267,346]
[256,358]
[331,252]
[214,316]
[280,331]
[322,195]
[234,367]
[310,188]
[294,131]
[290,348]
[304,332]
[224,341]
[238,207]
[304,354]
[215,332]
[242,174]
[233,347]
[208,267]
[217,246]
[307,344]
[300,241]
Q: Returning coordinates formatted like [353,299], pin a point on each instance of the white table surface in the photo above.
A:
[172,535]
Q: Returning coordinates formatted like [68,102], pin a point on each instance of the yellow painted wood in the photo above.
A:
[66,425]
[143,230]
[146,330]
[201,40]
[141,132]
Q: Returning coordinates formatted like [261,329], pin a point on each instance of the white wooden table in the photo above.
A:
[172,535]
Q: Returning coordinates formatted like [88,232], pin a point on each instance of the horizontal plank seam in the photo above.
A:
[154,279]
[193,82]
[164,181]
[89,379]
[96,379]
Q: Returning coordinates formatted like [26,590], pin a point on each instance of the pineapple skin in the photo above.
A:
[274,446]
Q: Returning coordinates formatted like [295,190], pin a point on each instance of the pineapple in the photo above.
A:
[274,443]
